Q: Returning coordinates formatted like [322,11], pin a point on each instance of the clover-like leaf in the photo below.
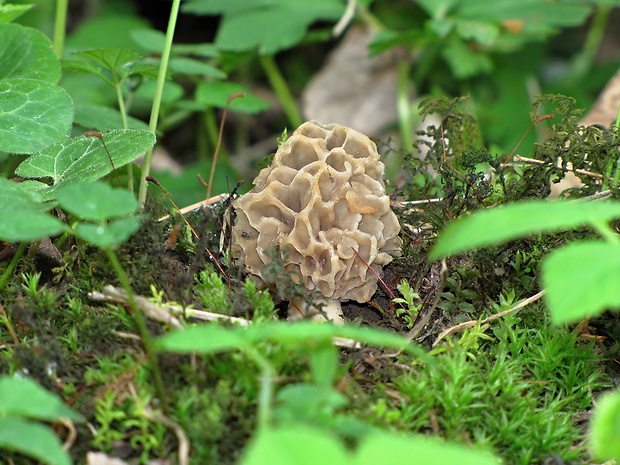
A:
[28,225]
[96,201]
[109,234]
[23,214]
[16,197]
[84,158]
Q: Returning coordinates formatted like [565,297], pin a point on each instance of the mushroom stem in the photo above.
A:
[330,311]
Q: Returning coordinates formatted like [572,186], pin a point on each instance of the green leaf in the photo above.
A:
[185,188]
[212,338]
[83,66]
[201,50]
[309,446]
[33,114]
[112,59]
[399,450]
[150,40]
[305,401]
[23,214]
[33,440]
[16,197]
[195,67]
[581,280]
[216,93]
[27,53]
[508,222]
[110,234]
[102,118]
[605,427]
[465,63]
[28,225]
[96,201]
[324,364]
[295,445]
[25,398]
[537,16]
[10,12]
[101,31]
[172,92]
[84,158]
[275,24]
[438,9]
[481,32]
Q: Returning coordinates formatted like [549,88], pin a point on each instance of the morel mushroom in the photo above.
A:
[323,206]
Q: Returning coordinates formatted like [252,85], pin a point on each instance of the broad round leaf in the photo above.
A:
[26,53]
[96,201]
[25,398]
[582,280]
[33,440]
[33,114]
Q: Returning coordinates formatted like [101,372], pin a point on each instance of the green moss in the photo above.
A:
[520,392]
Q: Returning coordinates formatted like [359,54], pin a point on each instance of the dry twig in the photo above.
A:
[469,324]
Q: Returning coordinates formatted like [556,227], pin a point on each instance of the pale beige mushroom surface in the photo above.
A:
[322,205]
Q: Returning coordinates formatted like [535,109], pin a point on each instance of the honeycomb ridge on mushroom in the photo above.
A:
[322,205]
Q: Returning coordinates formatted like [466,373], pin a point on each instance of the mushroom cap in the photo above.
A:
[323,202]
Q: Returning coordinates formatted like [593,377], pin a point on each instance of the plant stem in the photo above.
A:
[9,269]
[60,26]
[266,387]
[281,89]
[123,110]
[604,230]
[161,79]
[582,62]
[210,125]
[405,119]
[141,324]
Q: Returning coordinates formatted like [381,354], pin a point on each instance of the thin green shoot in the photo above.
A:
[141,324]
[161,79]
[60,26]
[281,89]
